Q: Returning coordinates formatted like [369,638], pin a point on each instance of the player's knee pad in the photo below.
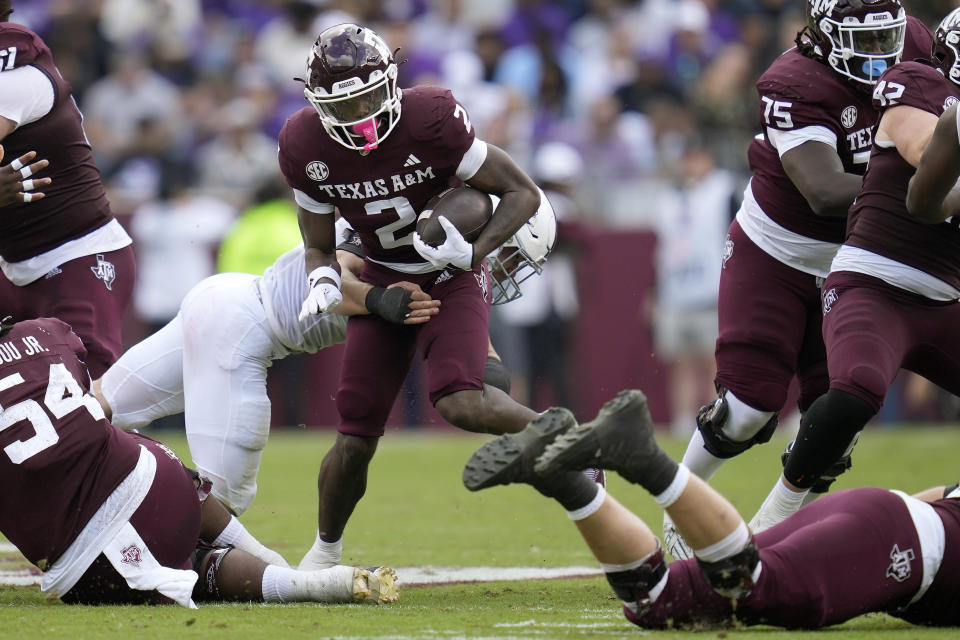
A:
[206,562]
[736,575]
[727,438]
[829,476]
[252,427]
[496,375]
[633,586]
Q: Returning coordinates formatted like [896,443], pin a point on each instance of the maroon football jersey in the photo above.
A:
[878,220]
[75,202]
[797,92]
[58,462]
[380,194]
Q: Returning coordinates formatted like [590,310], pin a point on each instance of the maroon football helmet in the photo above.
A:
[946,46]
[859,39]
[352,83]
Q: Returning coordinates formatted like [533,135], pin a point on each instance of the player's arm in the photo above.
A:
[320,258]
[402,302]
[519,199]
[935,493]
[930,195]
[817,172]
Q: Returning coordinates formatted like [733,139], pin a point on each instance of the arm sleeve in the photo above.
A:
[26,95]
[310,204]
[784,141]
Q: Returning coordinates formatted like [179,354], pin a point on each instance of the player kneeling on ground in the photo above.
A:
[113,517]
[846,554]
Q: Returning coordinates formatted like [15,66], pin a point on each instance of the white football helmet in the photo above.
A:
[524,253]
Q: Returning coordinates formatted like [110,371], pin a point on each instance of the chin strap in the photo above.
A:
[367,129]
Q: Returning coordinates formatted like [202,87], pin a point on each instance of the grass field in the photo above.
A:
[416,513]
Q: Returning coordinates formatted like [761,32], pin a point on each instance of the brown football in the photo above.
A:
[468,209]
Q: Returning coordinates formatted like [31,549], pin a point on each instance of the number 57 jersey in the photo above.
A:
[380,194]
[803,100]
[59,458]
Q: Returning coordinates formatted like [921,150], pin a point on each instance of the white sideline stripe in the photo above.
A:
[416,576]
[419,576]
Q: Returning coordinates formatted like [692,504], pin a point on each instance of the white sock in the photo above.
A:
[672,493]
[290,585]
[237,536]
[732,544]
[590,509]
[322,555]
[700,461]
[781,503]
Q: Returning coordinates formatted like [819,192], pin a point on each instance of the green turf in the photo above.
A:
[416,512]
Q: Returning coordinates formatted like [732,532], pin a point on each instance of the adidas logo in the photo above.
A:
[443,277]
[411,160]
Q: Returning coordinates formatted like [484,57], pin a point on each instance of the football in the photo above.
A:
[468,209]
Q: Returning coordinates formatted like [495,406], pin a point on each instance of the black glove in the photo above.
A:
[393,305]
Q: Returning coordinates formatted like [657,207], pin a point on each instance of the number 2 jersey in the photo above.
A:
[59,458]
[801,100]
[380,194]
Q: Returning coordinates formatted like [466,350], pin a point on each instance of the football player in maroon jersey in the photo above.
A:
[63,255]
[808,162]
[846,554]
[377,154]
[114,517]
[891,299]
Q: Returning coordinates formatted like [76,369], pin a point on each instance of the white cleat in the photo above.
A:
[673,542]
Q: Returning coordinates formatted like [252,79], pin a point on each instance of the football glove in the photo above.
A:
[323,296]
[393,304]
[455,250]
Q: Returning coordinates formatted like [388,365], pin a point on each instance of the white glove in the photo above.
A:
[323,296]
[455,250]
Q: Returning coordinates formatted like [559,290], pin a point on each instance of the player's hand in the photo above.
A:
[16,181]
[402,303]
[455,250]
[324,296]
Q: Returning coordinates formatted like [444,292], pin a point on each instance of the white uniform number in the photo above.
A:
[777,113]
[888,93]
[387,233]
[63,396]
[8,57]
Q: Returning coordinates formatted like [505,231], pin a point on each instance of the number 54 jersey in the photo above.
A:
[802,99]
[59,458]
[380,194]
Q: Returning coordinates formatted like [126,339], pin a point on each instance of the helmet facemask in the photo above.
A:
[352,83]
[523,255]
[946,47]
[863,50]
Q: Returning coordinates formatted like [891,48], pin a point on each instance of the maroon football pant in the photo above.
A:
[843,555]
[378,353]
[168,521]
[872,329]
[769,322]
[90,294]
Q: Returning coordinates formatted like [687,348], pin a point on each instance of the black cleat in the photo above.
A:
[620,436]
[510,457]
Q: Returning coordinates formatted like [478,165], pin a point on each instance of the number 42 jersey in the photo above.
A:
[380,194]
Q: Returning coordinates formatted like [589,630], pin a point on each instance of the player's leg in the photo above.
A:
[375,362]
[228,574]
[227,349]
[90,294]
[456,344]
[764,311]
[626,548]
[146,383]
[866,338]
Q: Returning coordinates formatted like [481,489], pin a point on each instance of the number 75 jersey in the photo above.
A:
[380,194]
[801,100]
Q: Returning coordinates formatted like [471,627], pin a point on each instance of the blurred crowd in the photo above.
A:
[637,114]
